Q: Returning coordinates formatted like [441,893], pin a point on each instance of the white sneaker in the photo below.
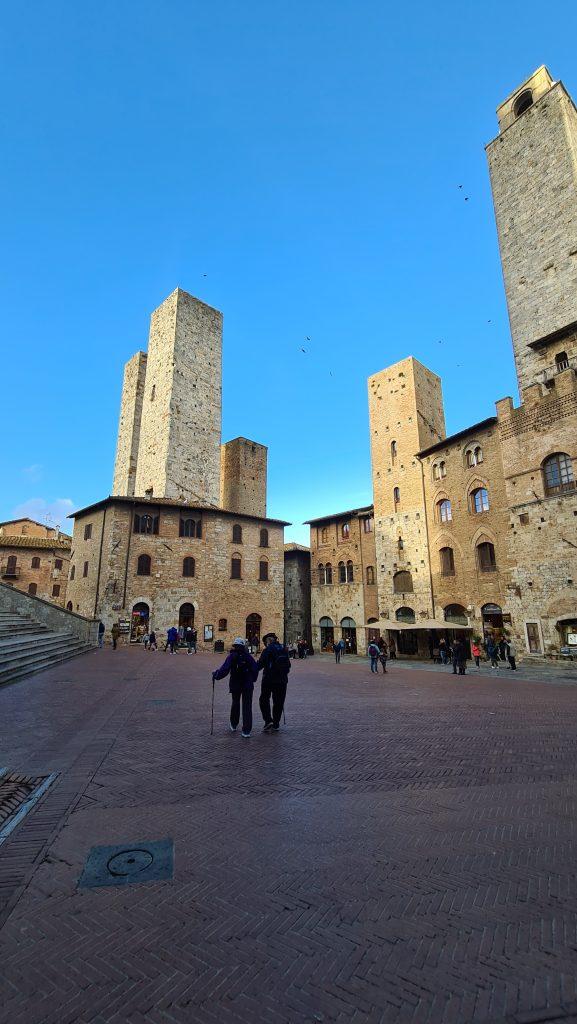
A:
[246,735]
[232,728]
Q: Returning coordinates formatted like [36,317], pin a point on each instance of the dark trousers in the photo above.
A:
[512,663]
[338,655]
[477,659]
[246,697]
[383,661]
[460,665]
[375,663]
[114,642]
[278,693]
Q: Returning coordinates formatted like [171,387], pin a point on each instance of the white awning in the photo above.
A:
[421,624]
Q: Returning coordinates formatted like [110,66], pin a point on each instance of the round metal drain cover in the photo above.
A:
[130,862]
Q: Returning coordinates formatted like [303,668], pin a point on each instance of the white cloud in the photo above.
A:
[40,508]
[34,472]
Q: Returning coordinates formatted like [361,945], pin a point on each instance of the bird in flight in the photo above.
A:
[304,350]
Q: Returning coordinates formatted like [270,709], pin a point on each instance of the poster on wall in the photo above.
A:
[572,639]
[208,633]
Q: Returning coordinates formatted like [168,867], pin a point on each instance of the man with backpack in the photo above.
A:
[243,672]
[276,665]
[374,656]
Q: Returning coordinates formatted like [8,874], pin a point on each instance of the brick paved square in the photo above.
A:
[404,850]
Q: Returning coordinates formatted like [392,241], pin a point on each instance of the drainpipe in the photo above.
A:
[427,535]
[100,561]
[127,556]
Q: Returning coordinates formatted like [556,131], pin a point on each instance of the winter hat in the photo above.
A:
[239,642]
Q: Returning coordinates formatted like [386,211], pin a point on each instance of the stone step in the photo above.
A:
[31,641]
[38,661]
[21,628]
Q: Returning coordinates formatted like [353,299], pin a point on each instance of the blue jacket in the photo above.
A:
[172,634]
[242,668]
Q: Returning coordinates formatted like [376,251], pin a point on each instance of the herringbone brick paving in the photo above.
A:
[404,850]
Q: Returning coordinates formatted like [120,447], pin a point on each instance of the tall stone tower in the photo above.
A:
[170,420]
[406,415]
[533,167]
[243,472]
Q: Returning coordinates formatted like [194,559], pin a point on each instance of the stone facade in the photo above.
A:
[243,474]
[35,559]
[533,168]
[116,570]
[343,579]
[297,593]
[129,425]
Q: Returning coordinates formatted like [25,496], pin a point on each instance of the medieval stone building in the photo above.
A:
[184,539]
[297,593]
[35,558]
[478,531]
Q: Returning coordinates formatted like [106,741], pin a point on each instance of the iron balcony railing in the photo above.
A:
[11,571]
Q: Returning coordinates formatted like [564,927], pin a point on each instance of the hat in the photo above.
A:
[270,636]
[239,642]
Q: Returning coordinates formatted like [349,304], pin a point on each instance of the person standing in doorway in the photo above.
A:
[101,634]
[374,656]
[337,651]
[276,665]
[243,671]
[115,634]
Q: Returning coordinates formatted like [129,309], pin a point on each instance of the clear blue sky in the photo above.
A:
[306,157]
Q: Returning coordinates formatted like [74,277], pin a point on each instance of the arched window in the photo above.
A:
[322,579]
[396,497]
[523,102]
[145,523]
[235,567]
[403,582]
[222,625]
[561,361]
[32,588]
[444,510]
[474,455]
[370,575]
[345,531]
[405,615]
[558,474]
[350,572]
[143,565]
[188,566]
[69,606]
[447,560]
[393,451]
[342,572]
[264,538]
[457,614]
[36,562]
[486,557]
[190,527]
[324,535]
[328,573]
[237,534]
[263,570]
[479,500]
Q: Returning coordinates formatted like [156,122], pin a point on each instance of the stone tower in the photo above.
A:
[129,425]
[533,167]
[170,421]
[406,415]
[243,469]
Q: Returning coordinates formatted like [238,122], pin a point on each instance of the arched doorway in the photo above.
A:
[349,634]
[373,634]
[253,624]
[492,618]
[139,621]
[456,615]
[186,616]
[327,633]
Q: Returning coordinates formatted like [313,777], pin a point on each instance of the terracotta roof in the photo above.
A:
[121,499]
[291,546]
[63,543]
[366,510]
[483,425]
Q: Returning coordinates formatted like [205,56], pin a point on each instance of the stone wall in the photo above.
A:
[297,593]
[129,425]
[179,450]
[243,476]
[15,602]
[533,167]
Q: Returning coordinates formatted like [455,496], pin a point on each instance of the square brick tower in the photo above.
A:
[243,475]
[170,421]
[406,415]
[533,167]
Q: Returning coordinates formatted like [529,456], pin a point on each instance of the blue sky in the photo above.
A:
[306,158]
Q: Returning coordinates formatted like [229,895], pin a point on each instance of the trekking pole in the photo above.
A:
[212,711]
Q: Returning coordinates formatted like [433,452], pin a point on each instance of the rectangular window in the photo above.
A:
[263,571]
[235,564]
[368,524]
[533,639]
[85,569]
[88,531]
[56,590]
[57,563]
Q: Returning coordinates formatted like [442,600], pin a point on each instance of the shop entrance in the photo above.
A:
[349,635]
[327,633]
[186,616]
[492,617]
[253,624]
[139,621]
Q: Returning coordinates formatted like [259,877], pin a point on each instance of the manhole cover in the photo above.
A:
[18,795]
[128,863]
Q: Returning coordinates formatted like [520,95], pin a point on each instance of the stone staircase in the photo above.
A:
[28,646]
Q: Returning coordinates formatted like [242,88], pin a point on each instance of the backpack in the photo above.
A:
[241,670]
[373,650]
[279,663]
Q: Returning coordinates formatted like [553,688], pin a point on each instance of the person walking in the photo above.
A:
[194,640]
[337,651]
[146,640]
[276,665]
[476,652]
[459,657]
[374,656]
[492,652]
[115,634]
[101,634]
[171,639]
[243,671]
[512,655]
[188,639]
[392,649]
[383,652]
[443,650]
[152,645]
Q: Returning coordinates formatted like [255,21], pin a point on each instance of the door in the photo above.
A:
[253,624]
[186,616]
[139,621]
